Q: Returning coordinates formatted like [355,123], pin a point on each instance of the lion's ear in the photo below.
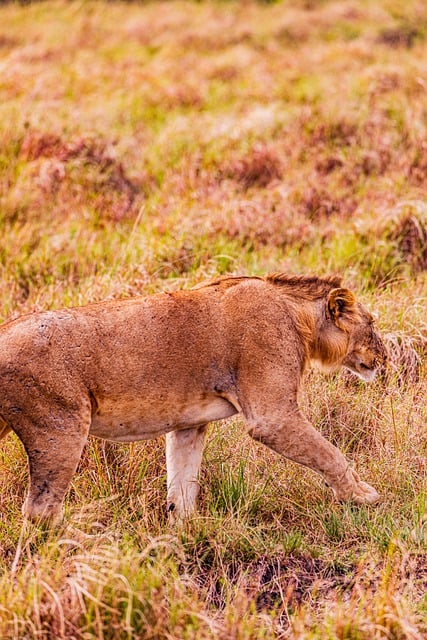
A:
[340,301]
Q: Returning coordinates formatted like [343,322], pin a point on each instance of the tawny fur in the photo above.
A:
[170,363]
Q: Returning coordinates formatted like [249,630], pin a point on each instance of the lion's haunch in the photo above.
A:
[171,363]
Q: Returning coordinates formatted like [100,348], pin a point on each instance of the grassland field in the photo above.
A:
[144,147]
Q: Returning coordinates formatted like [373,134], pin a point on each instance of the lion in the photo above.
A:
[170,363]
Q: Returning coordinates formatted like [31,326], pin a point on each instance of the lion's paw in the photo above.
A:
[363,493]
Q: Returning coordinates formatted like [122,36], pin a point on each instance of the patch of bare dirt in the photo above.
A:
[285,583]
[283,580]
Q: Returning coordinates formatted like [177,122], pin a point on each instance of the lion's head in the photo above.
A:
[347,336]
[335,329]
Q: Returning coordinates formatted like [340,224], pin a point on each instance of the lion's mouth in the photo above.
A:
[368,373]
[363,371]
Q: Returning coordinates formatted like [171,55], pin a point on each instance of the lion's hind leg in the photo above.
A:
[54,450]
[184,451]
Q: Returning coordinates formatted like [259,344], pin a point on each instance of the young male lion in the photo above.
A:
[170,363]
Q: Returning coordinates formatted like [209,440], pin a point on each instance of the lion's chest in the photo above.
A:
[132,420]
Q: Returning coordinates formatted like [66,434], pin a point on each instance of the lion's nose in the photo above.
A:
[367,363]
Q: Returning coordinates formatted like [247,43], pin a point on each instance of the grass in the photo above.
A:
[146,147]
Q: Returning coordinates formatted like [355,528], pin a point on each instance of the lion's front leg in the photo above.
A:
[184,451]
[296,439]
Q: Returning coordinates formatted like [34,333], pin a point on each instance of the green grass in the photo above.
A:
[148,146]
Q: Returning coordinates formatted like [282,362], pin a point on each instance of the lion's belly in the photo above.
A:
[131,421]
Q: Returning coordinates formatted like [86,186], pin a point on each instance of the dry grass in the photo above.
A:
[405,357]
[146,147]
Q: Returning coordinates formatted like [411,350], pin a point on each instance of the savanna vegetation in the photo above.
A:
[145,147]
